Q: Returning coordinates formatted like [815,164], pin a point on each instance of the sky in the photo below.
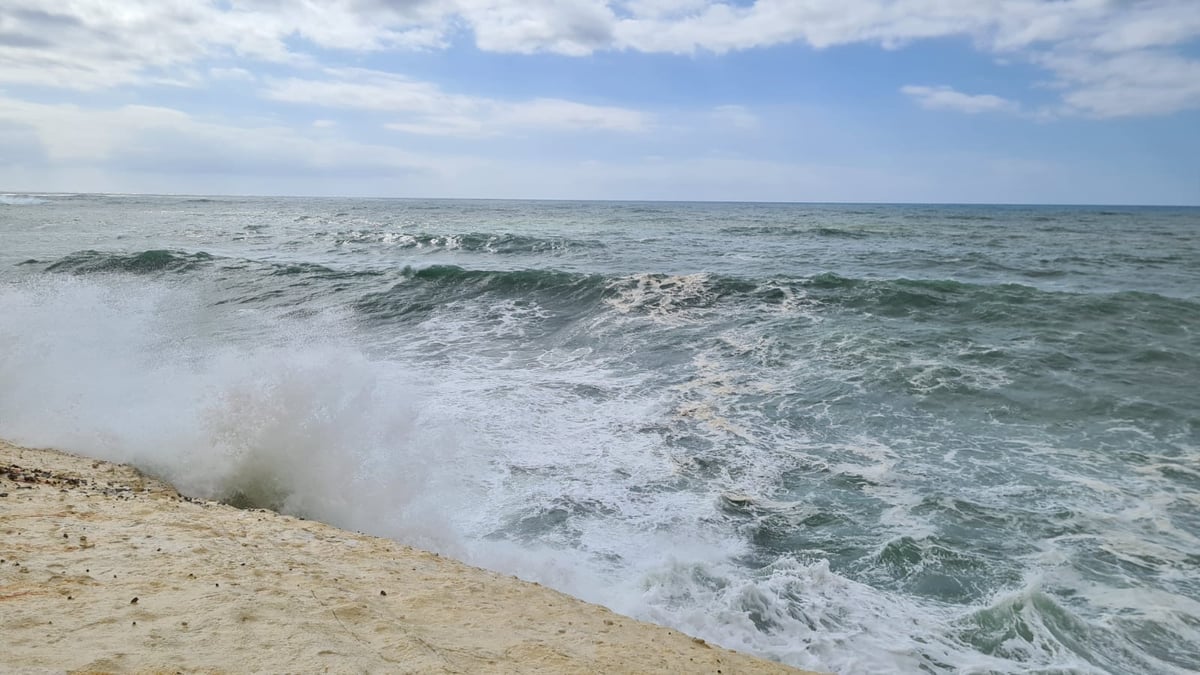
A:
[994,101]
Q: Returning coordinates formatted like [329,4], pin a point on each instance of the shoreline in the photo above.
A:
[106,569]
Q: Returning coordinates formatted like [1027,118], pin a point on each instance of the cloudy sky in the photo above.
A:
[1061,101]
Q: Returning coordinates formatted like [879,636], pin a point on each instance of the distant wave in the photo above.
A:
[967,216]
[20,200]
[471,241]
[423,289]
[420,289]
[157,260]
[798,231]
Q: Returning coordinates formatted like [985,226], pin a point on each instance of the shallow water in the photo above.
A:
[862,438]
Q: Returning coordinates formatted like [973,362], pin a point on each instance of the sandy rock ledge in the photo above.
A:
[103,569]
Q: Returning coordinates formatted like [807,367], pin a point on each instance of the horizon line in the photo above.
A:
[48,193]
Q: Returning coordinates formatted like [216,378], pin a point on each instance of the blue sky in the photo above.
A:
[1034,101]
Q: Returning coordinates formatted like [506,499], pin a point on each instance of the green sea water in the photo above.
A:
[858,438]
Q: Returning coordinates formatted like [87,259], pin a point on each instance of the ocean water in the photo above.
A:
[859,438]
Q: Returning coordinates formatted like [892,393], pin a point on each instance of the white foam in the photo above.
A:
[122,370]
[544,471]
[669,300]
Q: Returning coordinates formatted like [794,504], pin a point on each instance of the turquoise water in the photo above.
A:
[862,438]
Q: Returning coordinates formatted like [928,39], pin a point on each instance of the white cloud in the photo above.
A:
[93,44]
[442,125]
[736,116]
[366,90]
[1127,84]
[946,98]
[572,27]
[1110,58]
[1102,53]
[239,74]
[663,9]
[144,147]
[1147,25]
[150,148]
[423,108]
[551,113]
[152,138]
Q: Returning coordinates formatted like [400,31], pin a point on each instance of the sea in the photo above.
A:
[855,438]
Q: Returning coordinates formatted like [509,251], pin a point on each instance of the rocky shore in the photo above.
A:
[103,569]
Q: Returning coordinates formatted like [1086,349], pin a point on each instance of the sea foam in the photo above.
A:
[553,473]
